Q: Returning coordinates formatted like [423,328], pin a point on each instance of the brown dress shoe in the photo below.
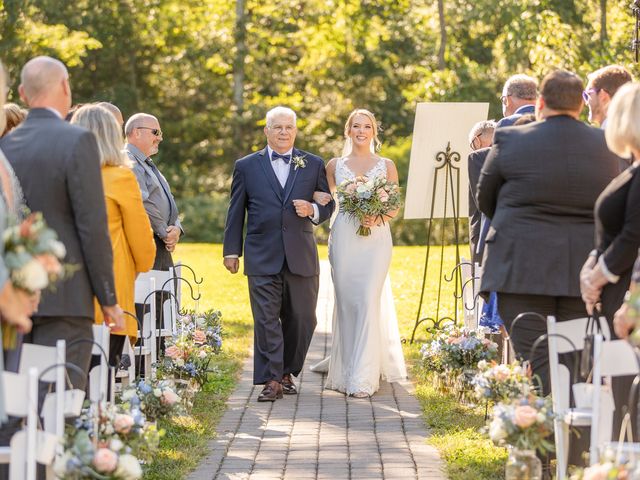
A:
[271,392]
[288,387]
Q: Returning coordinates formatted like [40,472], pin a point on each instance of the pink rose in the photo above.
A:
[199,336]
[169,397]
[50,263]
[350,188]
[525,416]
[105,460]
[172,352]
[502,372]
[123,423]
[383,195]
[597,472]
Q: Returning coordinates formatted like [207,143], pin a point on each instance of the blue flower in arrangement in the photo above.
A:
[145,387]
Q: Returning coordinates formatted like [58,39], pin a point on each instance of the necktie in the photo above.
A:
[276,155]
[165,188]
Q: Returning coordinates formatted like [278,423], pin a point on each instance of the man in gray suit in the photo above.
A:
[58,168]
[143,138]
[538,186]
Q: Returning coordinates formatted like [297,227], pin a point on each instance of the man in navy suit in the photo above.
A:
[274,189]
[518,98]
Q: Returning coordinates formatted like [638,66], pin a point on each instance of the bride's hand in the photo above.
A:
[371,221]
[321,198]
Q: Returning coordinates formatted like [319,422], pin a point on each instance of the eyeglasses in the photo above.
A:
[473,142]
[503,98]
[156,131]
[586,95]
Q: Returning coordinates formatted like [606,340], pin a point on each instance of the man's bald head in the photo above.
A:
[44,83]
[115,111]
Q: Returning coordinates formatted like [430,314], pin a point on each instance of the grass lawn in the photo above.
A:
[455,429]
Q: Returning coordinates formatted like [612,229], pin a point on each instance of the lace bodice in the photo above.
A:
[343,172]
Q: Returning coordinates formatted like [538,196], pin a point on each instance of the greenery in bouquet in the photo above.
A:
[209,323]
[107,442]
[431,353]
[365,196]
[33,255]
[501,383]
[525,424]
[462,349]
[155,399]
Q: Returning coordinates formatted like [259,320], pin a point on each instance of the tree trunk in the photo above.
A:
[240,35]
[443,36]
[603,21]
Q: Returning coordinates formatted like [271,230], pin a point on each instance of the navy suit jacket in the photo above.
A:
[275,232]
[511,119]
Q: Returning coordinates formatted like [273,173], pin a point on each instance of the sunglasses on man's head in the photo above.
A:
[156,131]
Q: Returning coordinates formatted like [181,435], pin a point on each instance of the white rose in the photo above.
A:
[128,395]
[116,444]
[32,276]
[202,354]
[482,364]
[128,468]
[179,362]
[541,417]
[58,249]
[157,392]
[497,431]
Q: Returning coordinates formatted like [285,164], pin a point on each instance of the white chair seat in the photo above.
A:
[578,417]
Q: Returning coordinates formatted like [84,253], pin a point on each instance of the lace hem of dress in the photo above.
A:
[353,387]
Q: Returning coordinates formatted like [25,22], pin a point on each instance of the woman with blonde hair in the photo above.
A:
[15,115]
[129,227]
[366,342]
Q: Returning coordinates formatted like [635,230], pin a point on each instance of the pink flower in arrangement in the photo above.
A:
[598,472]
[50,263]
[486,342]
[524,416]
[25,227]
[123,423]
[169,397]
[383,195]
[105,460]
[199,336]
[172,352]
[351,188]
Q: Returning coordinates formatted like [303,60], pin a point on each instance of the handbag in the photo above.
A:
[586,357]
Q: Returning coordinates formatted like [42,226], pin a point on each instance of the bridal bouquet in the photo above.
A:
[33,256]
[364,197]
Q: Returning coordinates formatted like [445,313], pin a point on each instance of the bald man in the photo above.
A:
[115,111]
[58,167]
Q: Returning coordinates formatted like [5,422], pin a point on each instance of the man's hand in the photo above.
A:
[173,237]
[17,306]
[232,264]
[303,208]
[113,317]
[321,198]
[622,324]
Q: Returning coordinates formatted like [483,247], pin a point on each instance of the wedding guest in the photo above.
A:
[72,111]
[539,185]
[129,227]
[602,85]
[606,274]
[518,97]
[15,115]
[115,111]
[480,139]
[58,167]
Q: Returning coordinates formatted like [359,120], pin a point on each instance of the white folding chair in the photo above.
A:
[21,400]
[101,383]
[145,287]
[611,359]
[566,337]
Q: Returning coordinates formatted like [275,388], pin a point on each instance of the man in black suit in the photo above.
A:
[58,167]
[518,98]
[274,188]
[539,185]
[480,139]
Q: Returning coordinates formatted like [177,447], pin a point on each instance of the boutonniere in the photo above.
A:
[299,161]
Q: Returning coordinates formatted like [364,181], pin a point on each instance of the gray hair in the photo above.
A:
[41,74]
[136,121]
[277,111]
[482,128]
[521,86]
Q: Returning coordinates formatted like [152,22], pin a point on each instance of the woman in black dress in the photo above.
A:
[606,274]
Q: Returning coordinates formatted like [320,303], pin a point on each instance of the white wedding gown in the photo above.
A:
[366,342]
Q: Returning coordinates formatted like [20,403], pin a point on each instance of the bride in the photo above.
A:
[366,343]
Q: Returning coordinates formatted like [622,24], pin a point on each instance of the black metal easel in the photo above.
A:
[447,164]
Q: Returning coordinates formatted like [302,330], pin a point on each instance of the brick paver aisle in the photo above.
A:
[320,434]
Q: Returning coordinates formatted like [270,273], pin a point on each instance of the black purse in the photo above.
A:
[591,330]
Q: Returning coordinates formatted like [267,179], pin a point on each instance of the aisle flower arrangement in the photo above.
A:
[154,398]
[462,349]
[525,424]
[107,442]
[501,383]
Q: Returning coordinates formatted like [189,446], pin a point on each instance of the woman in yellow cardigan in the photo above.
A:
[131,236]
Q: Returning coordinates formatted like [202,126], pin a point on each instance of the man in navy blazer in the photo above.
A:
[518,98]
[274,189]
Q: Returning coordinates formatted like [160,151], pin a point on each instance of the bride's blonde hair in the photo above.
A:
[375,141]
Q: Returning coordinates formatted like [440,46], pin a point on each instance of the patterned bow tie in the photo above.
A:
[276,155]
